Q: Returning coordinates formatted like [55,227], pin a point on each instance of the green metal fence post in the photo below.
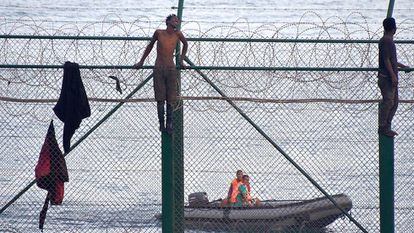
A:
[173,164]
[386,183]
[178,170]
[167,183]
[390,8]
[178,150]
[386,172]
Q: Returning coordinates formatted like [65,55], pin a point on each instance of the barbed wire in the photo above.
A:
[114,24]
[30,86]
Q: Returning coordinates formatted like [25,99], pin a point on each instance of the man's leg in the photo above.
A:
[394,107]
[386,105]
[160,96]
[169,124]
[171,87]
[161,114]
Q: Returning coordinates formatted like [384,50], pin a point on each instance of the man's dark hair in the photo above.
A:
[389,24]
[169,17]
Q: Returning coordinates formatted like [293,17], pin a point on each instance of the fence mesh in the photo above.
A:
[326,121]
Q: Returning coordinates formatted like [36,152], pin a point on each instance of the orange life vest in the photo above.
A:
[234,190]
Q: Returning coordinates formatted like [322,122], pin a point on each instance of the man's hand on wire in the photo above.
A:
[138,65]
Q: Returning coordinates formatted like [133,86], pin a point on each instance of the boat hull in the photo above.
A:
[271,216]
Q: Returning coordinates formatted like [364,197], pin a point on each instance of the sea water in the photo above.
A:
[200,16]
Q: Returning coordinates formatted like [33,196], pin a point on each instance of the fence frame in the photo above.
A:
[172,159]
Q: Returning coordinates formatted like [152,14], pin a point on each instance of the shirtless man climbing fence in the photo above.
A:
[165,72]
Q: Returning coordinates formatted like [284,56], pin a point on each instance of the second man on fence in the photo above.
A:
[165,72]
[388,78]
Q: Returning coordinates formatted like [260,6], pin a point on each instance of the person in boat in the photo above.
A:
[239,192]
[248,200]
[233,190]
[243,198]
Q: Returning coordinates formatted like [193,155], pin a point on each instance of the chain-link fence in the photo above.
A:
[259,105]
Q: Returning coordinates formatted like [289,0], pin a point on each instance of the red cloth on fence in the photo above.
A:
[51,172]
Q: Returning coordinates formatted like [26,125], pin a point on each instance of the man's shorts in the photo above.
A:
[165,84]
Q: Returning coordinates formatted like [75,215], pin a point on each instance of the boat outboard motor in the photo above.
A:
[199,199]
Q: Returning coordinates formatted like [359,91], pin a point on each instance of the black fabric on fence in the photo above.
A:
[73,105]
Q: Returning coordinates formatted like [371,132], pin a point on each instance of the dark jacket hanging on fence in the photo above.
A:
[51,172]
[73,105]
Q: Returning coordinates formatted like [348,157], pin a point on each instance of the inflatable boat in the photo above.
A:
[271,215]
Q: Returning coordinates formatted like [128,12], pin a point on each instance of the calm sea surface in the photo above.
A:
[203,15]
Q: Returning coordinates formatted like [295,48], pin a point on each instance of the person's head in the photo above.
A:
[239,175]
[389,25]
[172,20]
[246,179]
